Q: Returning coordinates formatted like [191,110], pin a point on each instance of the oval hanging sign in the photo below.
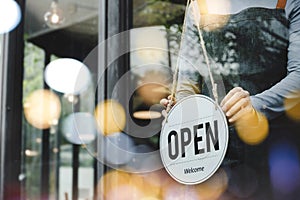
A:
[194,139]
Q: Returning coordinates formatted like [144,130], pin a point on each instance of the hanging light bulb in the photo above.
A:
[54,16]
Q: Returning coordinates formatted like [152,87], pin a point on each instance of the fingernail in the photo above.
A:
[228,114]
[230,120]
[223,108]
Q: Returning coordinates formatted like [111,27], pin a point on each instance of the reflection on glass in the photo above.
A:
[145,159]
[214,187]
[51,173]
[158,185]
[110,117]
[54,17]
[117,149]
[42,109]
[154,49]
[153,85]
[68,76]
[1,51]
[31,153]
[33,81]
[85,173]
[121,185]
[10,15]
[284,167]
[147,114]
[253,130]
[292,106]
[79,128]
[153,55]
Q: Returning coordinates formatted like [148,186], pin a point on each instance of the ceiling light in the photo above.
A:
[54,17]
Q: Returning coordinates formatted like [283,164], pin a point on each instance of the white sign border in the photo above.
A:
[226,140]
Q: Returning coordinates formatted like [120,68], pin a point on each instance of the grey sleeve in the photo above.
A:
[271,101]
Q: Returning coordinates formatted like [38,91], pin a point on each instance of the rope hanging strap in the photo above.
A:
[175,77]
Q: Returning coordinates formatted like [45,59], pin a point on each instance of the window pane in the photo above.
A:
[154,42]
[60,66]
[1,121]
[1,48]
[247,49]
[95,72]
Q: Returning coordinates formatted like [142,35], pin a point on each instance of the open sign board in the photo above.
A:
[194,139]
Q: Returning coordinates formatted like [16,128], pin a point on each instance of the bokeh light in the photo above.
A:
[31,153]
[284,167]
[150,189]
[252,128]
[217,6]
[292,106]
[146,114]
[122,186]
[54,17]
[150,198]
[116,183]
[42,109]
[151,50]
[171,189]
[214,14]
[79,128]
[153,86]
[68,76]
[234,6]
[10,15]
[177,191]
[157,185]
[110,117]
[117,148]
[214,187]
[126,192]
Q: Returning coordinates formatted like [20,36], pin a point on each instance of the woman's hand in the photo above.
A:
[167,103]
[237,104]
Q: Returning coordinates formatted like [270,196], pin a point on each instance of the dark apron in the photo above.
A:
[256,39]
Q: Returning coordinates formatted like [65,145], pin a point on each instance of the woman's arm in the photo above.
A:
[271,101]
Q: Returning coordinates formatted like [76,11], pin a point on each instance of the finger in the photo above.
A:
[242,103]
[164,102]
[164,113]
[169,106]
[230,94]
[172,100]
[234,99]
[242,112]
[233,96]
